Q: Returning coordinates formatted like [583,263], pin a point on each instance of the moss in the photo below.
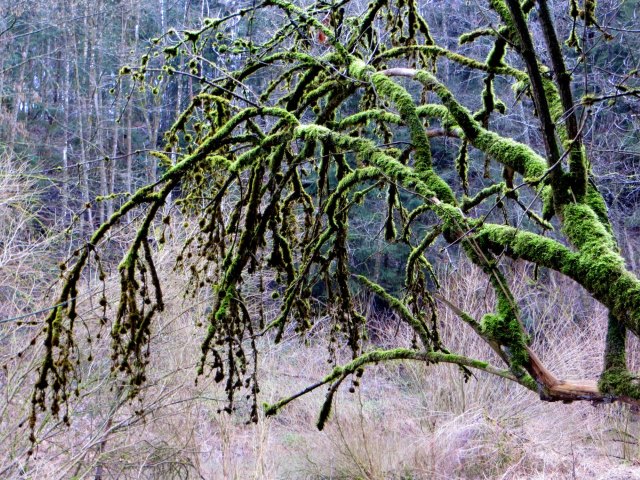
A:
[367,21]
[455,57]
[312,97]
[615,345]
[376,356]
[505,331]
[572,40]
[416,256]
[504,326]
[312,132]
[267,212]
[603,268]
[516,155]
[171,51]
[192,35]
[488,100]
[546,225]
[359,70]
[589,12]
[548,207]
[248,158]
[462,166]
[452,358]
[462,116]
[439,186]
[594,200]
[527,245]
[399,307]
[556,110]
[469,203]
[208,145]
[379,115]
[407,109]
[620,383]
[357,176]
[270,409]
[419,210]
[308,19]
[435,111]
[325,411]
[529,382]
[387,165]
[283,78]
[598,269]
[579,170]
[497,53]
[500,7]
[364,117]
[585,230]
[473,35]
[390,232]
[577,155]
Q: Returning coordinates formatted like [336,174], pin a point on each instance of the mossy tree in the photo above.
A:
[270,170]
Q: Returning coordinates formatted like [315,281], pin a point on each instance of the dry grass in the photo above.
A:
[406,421]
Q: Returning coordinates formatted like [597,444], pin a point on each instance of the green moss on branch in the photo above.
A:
[378,356]
[516,155]
[400,308]
[599,271]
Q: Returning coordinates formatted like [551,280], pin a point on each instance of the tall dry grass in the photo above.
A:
[405,421]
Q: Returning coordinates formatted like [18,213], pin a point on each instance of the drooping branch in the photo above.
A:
[378,356]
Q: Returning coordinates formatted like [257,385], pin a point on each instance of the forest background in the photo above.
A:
[72,130]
